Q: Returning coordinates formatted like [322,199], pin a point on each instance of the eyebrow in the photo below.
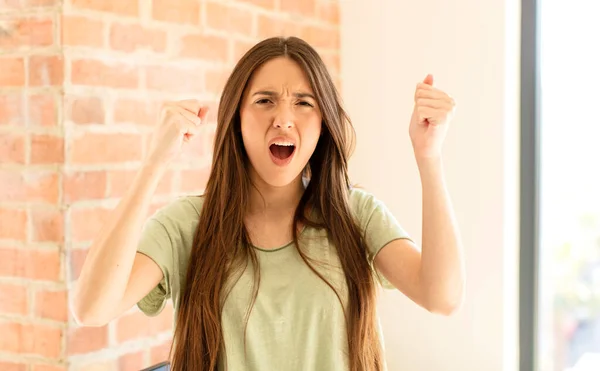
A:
[271,93]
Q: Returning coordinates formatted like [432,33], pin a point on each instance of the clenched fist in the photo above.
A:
[431,117]
[178,122]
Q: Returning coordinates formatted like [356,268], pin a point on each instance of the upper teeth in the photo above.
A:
[288,144]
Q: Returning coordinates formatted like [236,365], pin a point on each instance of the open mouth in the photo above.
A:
[282,151]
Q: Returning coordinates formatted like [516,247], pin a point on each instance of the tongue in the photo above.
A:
[281,152]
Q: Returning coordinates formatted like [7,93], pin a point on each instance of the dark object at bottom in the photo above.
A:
[164,366]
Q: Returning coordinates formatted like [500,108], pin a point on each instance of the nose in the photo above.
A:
[284,118]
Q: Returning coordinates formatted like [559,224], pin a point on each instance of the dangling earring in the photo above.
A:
[305,177]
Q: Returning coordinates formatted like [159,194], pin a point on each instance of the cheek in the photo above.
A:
[312,133]
[252,120]
[248,135]
[253,135]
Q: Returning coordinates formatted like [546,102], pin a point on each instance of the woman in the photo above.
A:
[275,267]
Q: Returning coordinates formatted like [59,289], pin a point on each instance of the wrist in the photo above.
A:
[153,170]
[430,168]
[429,162]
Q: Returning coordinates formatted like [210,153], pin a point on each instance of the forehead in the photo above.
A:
[280,73]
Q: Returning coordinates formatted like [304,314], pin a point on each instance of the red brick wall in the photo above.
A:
[80,83]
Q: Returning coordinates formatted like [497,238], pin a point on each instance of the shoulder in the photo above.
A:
[181,213]
[363,203]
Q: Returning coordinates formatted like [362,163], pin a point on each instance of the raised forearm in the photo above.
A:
[442,267]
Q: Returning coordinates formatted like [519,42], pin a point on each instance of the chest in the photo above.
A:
[296,320]
[270,234]
[288,284]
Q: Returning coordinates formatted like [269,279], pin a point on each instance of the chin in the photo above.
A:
[280,180]
[277,178]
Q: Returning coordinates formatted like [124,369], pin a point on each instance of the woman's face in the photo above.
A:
[280,121]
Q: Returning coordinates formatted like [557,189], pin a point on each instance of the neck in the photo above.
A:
[270,201]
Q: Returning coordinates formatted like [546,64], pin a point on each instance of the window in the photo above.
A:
[560,236]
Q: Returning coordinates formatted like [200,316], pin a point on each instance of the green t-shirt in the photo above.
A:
[297,322]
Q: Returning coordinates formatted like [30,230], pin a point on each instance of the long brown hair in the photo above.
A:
[222,243]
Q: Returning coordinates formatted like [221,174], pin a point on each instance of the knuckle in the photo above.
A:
[167,108]
[190,103]
[167,104]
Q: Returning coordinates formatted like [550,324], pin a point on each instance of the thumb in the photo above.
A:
[428,80]
[202,113]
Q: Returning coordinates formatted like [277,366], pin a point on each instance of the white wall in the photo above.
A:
[471,47]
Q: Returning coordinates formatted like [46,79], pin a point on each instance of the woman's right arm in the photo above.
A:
[114,277]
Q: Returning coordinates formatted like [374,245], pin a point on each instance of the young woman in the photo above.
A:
[276,266]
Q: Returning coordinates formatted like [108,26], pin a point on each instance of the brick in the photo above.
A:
[48,368]
[129,37]
[107,365]
[43,265]
[51,305]
[329,11]
[103,148]
[97,73]
[228,18]
[12,72]
[215,80]
[12,108]
[121,181]
[132,361]
[34,339]
[13,224]
[174,79]
[240,48]
[194,180]
[9,366]
[29,33]
[319,37]
[85,110]
[137,325]
[12,148]
[82,340]
[82,31]
[206,47]
[13,299]
[142,112]
[46,70]
[126,8]
[160,353]
[84,185]
[270,27]
[48,225]
[43,110]
[23,4]
[267,4]
[28,186]
[306,8]
[176,11]
[47,149]
[86,223]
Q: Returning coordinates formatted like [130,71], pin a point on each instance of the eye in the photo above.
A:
[263,101]
[306,104]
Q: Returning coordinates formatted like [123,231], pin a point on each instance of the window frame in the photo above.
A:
[529,186]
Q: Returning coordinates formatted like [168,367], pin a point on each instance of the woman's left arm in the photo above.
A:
[435,276]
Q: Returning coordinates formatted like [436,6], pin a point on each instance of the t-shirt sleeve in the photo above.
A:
[379,227]
[156,243]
